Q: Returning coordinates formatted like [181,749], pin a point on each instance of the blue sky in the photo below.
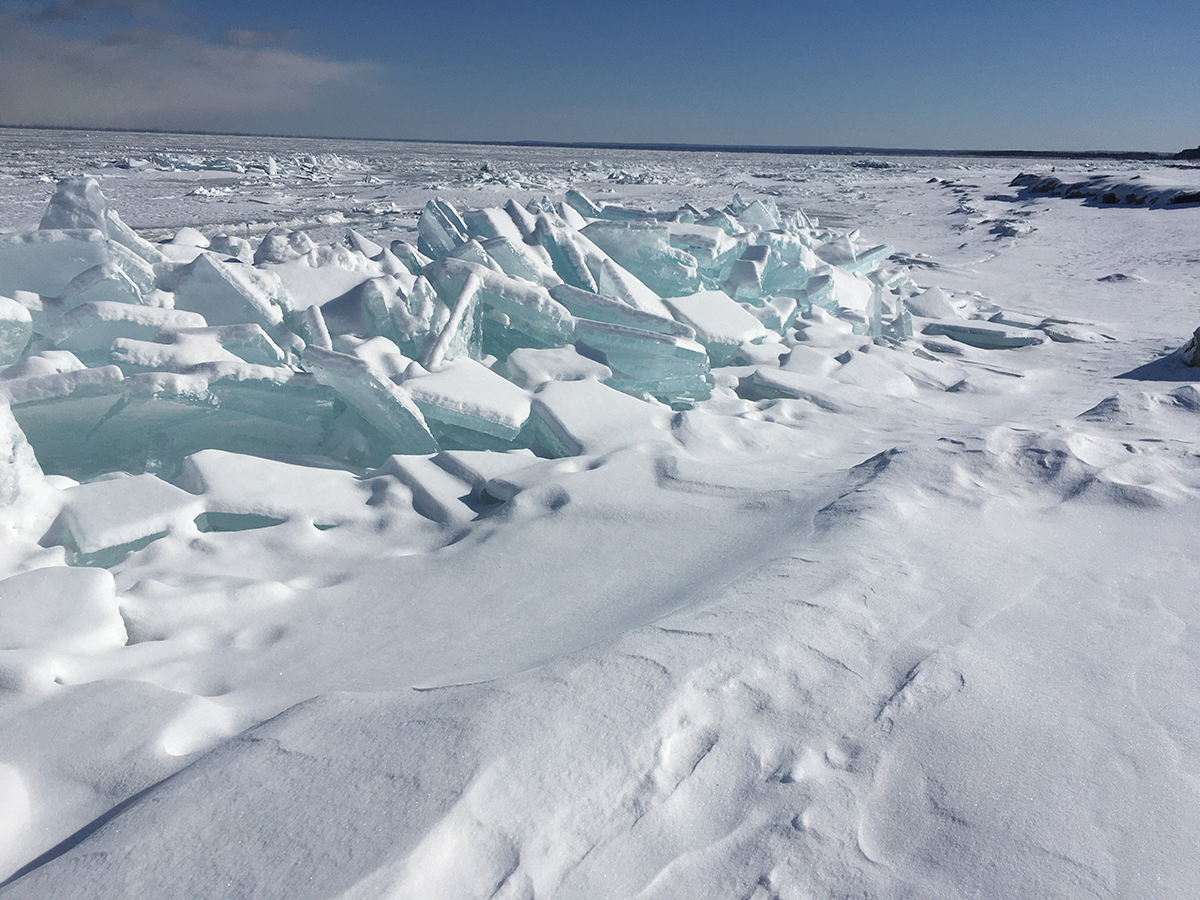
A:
[1054,74]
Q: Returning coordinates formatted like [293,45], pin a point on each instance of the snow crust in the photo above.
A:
[521,524]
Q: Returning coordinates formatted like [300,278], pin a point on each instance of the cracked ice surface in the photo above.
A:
[422,523]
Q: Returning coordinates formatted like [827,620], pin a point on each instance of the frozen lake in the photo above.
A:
[854,608]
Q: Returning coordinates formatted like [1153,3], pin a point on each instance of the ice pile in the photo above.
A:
[551,328]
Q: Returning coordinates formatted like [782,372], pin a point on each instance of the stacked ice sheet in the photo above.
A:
[120,357]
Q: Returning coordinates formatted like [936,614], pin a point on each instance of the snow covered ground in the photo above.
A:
[921,625]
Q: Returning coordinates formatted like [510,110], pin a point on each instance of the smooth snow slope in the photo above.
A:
[903,642]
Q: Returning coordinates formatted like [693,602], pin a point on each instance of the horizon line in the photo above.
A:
[781,149]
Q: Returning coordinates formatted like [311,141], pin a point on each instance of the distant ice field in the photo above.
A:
[828,531]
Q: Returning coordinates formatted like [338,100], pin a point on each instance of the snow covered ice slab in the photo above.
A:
[90,328]
[235,489]
[226,293]
[985,335]
[721,323]
[437,493]
[573,418]
[103,521]
[535,318]
[466,394]
[60,610]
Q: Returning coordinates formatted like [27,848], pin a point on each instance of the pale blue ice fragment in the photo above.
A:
[869,259]
[619,213]
[764,214]
[644,249]
[721,323]
[308,324]
[77,203]
[531,367]
[57,410]
[776,313]
[228,293]
[718,218]
[600,308]
[44,262]
[440,229]
[818,291]
[265,411]
[711,248]
[248,342]
[901,327]
[745,281]
[525,222]
[412,258]
[736,206]
[436,493]
[472,251]
[986,336]
[522,260]
[490,223]
[102,522]
[518,312]
[280,245]
[568,252]
[383,404]
[232,246]
[582,204]
[838,252]
[572,418]
[110,282]
[669,367]
[459,336]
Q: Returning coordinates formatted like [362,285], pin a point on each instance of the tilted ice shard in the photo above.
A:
[44,262]
[598,307]
[531,317]
[669,367]
[440,228]
[582,204]
[644,249]
[386,406]
[229,293]
[404,310]
[572,255]
[931,303]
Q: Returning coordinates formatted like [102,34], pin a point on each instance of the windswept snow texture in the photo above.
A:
[407,521]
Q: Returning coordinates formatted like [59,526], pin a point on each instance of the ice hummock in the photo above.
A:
[543,326]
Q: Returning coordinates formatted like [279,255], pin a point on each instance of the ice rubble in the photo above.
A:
[559,328]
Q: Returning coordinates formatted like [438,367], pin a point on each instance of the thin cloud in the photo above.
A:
[152,78]
[73,10]
[242,37]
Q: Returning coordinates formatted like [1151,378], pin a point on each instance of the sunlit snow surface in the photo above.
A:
[921,625]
